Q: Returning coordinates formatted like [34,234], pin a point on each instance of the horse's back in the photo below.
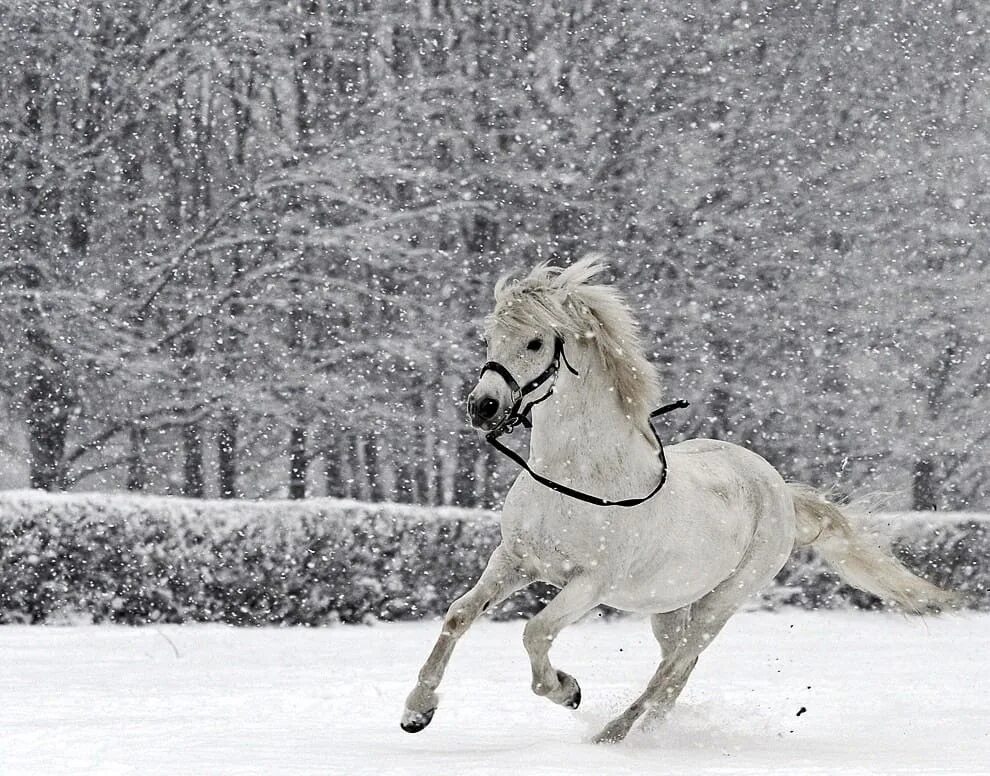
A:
[744,480]
[714,459]
[700,446]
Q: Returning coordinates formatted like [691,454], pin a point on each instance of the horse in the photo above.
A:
[717,526]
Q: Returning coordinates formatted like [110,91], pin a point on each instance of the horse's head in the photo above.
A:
[540,320]
[521,370]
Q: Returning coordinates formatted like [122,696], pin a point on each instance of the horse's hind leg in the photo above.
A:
[683,635]
[690,630]
[669,627]
[499,580]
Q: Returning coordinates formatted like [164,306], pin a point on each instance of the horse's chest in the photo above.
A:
[555,544]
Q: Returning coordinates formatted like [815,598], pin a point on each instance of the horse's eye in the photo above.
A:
[534,344]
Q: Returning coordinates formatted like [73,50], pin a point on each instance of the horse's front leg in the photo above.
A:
[575,599]
[500,579]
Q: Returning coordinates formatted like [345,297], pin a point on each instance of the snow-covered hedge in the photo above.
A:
[136,560]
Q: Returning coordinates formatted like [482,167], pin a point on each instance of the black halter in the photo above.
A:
[516,416]
[520,415]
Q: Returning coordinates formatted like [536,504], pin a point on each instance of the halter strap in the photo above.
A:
[516,417]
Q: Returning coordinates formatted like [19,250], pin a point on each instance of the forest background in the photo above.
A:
[246,245]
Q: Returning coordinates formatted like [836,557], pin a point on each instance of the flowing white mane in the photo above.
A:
[565,301]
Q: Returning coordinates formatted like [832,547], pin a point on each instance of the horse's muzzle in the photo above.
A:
[483,411]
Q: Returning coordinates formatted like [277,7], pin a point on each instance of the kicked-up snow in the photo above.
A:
[792,692]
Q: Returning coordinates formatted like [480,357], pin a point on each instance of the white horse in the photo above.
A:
[722,526]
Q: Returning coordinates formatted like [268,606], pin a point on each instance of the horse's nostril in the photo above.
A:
[487,408]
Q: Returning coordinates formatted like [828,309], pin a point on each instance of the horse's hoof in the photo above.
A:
[608,737]
[613,733]
[571,690]
[414,721]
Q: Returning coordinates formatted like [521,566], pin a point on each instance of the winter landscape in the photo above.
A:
[249,254]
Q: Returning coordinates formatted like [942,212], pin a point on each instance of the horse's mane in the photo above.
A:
[565,301]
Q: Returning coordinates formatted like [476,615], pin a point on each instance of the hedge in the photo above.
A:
[136,560]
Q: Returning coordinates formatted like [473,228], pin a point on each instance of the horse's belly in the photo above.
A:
[674,586]
[681,571]
[641,576]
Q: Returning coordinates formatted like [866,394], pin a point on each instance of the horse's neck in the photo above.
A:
[582,432]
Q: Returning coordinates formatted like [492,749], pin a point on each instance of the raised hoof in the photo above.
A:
[572,690]
[414,721]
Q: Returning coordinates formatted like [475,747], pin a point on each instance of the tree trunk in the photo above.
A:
[48,405]
[465,479]
[405,484]
[137,466]
[425,471]
[227,456]
[489,474]
[192,467]
[361,488]
[298,462]
[923,491]
[48,397]
[373,468]
[332,472]
[425,493]
[193,484]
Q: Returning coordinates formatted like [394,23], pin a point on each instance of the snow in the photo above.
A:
[27,501]
[882,694]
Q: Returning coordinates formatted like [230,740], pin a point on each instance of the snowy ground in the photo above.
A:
[883,695]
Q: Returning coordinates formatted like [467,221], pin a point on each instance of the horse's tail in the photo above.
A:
[861,560]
